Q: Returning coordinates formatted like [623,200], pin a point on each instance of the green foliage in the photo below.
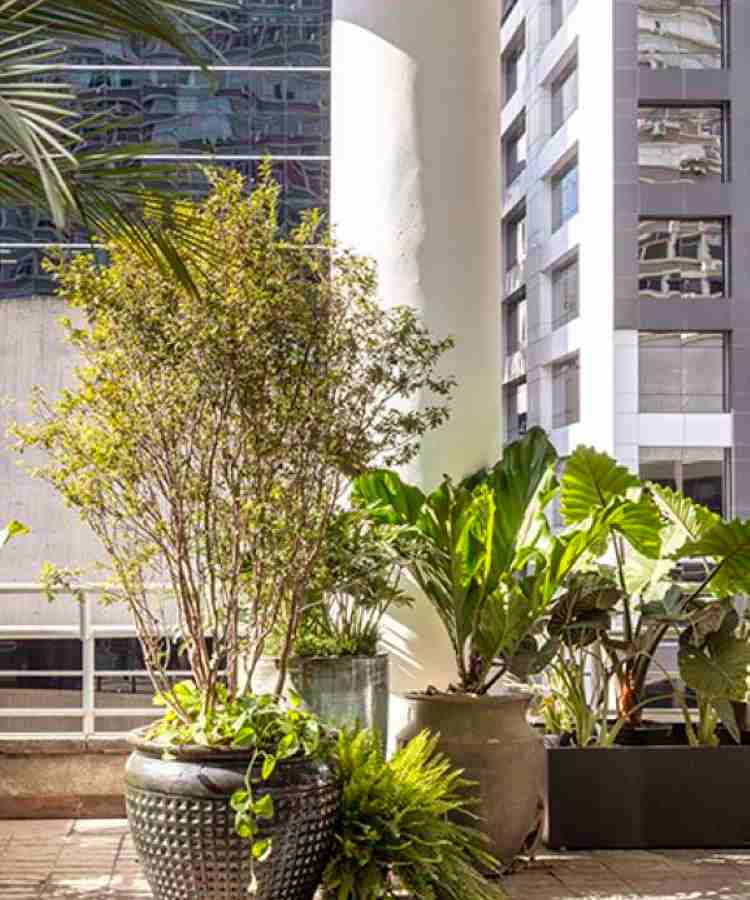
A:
[485,557]
[42,132]
[11,530]
[263,725]
[467,549]
[406,825]
[358,584]
[210,437]
[714,660]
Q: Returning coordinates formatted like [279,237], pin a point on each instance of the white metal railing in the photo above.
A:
[87,632]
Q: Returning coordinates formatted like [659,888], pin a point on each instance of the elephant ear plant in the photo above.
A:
[639,583]
[209,437]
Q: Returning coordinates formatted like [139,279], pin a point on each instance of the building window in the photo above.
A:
[516,410]
[566,392]
[682,372]
[681,259]
[564,96]
[680,143]
[565,293]
[514,65]
[699,472]
[681,34]
[558,12]
[564,195]
[516,334]
[515,241]
[514,151]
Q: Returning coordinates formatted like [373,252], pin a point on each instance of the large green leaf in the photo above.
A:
[726,545]
[590,481]
[521,484]
[718,673]
[388,498]
[689,521]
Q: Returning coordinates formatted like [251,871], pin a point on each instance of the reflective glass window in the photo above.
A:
[558,11]
[682,372]
[681,259]
[514,66]
[516,333]
[564,195]
[515,151]
[679,144]
[699,472]
[681,34]
[515,241]
[566,392]
[516,410]
[565,293]
[564,96]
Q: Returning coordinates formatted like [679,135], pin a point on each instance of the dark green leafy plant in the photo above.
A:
[643,589]
[398,830]
[265,726]
[486,559]
[358,584]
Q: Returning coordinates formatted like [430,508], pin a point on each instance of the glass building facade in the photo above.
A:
[270,97]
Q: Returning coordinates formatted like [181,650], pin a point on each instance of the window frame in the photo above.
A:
[556,276]
[560,419]
[557,85]
[556,182]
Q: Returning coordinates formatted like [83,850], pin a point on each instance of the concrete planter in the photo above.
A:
[61,778]
[490,739]
[648,797]
[342,690]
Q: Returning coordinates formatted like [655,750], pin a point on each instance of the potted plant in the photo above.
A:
[613,620]
[337,668]
[208,441]
[483,554]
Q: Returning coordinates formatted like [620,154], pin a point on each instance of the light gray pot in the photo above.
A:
[490,739]
[342,690]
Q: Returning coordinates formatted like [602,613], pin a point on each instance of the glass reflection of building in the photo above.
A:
[682,34]
[681,259]
[270,96]
[680,144]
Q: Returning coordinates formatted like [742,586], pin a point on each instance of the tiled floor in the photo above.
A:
[95,860]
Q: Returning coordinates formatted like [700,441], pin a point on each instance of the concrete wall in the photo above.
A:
[415,126]
[32,352]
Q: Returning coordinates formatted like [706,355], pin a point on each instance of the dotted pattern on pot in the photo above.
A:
[190,851]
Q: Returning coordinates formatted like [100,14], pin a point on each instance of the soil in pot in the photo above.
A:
[183,826]
[490,739]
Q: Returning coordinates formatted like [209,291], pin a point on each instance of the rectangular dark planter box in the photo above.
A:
[648,797]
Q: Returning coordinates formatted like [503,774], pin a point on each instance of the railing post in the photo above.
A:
[89,682]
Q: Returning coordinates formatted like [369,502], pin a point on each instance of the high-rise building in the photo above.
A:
[625,213]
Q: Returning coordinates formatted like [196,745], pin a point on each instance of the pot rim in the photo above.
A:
[507,697]
[296,659]
[195,752]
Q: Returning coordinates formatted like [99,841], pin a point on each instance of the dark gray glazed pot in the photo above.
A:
[341,690]
[183,826]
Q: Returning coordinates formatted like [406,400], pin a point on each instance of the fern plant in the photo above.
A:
[406,826]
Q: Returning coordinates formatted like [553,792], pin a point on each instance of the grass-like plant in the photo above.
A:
[406,826]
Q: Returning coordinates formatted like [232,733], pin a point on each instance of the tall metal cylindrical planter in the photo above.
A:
[183,826]
[341,690]
[490,739]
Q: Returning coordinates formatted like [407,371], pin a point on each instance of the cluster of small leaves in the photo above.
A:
[269,729]
[406,825]
[358,583]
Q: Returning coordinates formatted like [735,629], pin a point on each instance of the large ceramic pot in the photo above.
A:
[341,690]
[183,826]
[490,739]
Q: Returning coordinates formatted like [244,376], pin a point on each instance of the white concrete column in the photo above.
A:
[416,185]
